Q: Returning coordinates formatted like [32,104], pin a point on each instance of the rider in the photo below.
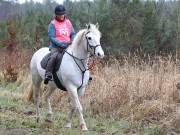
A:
[61,34]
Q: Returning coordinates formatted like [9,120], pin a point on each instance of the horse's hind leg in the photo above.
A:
[36,96]
[48,94]
[36,83]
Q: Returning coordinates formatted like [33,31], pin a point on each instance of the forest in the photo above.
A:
[135,89]
[136,26]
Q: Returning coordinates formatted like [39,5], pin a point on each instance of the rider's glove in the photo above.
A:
[68,43]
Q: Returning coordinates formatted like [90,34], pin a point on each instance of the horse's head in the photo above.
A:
[93,35]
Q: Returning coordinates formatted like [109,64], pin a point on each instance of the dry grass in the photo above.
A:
[143,92]
[125,89]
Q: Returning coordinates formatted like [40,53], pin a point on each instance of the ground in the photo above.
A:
[17,117]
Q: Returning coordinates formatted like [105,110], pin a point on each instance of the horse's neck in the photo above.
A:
[78,51]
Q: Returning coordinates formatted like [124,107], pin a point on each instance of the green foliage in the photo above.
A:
[126,25]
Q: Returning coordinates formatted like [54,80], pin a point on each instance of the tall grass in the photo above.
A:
[135,83]
[140,91]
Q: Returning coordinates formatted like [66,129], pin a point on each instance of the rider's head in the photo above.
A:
[60,12]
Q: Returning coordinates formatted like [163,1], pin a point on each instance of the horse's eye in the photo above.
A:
[89,38]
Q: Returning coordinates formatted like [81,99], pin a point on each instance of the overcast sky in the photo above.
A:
[22,1]
[58,1]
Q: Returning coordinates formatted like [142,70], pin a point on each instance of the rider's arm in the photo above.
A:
[52,37]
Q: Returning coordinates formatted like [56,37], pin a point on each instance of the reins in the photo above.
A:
[82,70]
[81,60]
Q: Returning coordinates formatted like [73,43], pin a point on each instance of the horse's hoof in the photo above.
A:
[68,125]
[83,127]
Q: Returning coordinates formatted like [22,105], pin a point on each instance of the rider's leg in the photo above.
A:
[50,65]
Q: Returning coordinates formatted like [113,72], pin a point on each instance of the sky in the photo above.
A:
[22,1]
[58,1]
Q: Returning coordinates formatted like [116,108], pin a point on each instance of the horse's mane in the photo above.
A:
[78,37]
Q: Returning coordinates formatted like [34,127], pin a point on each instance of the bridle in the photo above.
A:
[83,69]
[89,45]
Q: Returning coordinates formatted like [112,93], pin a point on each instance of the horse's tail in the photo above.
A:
[36,79]
[30,93]
[29,96]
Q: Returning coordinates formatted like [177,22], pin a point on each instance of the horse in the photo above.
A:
[73,72]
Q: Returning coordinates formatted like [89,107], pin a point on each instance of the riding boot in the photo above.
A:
[50,66]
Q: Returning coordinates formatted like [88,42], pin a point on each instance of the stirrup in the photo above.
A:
[90,78]
[47,79]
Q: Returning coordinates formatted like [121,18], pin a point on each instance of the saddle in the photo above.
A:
[56,67]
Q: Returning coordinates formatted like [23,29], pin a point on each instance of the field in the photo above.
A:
[128,96]
[17,118]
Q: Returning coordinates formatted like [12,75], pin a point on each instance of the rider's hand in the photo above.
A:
[66,45]
[69,43]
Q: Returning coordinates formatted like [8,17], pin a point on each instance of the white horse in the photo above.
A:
[73,72]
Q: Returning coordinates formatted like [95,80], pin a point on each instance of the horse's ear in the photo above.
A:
[88,26]
[97,25]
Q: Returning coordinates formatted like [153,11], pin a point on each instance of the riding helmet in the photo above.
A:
[60,10]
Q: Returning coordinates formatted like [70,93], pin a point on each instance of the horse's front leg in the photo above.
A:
[76,106]
[49,91]
[82,123]
[70,114]
[81,92]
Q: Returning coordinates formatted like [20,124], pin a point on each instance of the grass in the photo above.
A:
[16,113]
[129,97]
[18,116]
